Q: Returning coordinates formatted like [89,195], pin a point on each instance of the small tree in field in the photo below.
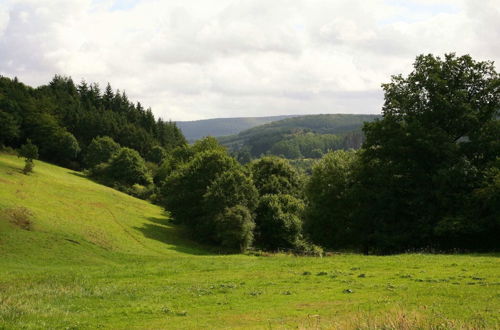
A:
[29,151]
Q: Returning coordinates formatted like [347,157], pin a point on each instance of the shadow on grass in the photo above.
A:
[162,230]
[81,175]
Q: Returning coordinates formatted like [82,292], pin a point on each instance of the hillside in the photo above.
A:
[75,254]
[261,139]
[197,129]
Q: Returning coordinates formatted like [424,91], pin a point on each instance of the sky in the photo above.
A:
[199,59]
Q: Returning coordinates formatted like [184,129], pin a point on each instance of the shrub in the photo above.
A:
[234,228]
[156,155]
[274,175]
[30,152]
[128,167]
[329,194]
[279,221]
[100,150]
[184,189]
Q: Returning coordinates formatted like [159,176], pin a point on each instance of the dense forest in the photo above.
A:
[309,136]
[427,175]
[62,119]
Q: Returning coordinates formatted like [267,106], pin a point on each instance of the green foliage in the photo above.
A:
[207,143]
[100,150]
[427,155]
[157,155]
[230,188]
[54,115]
[275,175]
[92,249]
[128,167]
[331,199]
[30,152]
[9,127]
[198,129]
[301,136]
[279,221]
[184,189]
[234,228]
[67,147]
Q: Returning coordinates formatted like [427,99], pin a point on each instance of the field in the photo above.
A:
[78,255]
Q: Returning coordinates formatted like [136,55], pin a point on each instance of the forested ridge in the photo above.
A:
[197,129]
[427,175]
[63,118]
[308,136]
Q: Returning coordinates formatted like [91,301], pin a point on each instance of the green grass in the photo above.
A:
[95,257]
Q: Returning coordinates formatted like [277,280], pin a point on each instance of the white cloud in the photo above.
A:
[192,59]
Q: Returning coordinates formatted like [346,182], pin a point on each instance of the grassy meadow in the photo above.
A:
[78,255]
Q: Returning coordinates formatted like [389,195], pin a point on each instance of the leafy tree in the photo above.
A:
[230,188]
[66,148]
[207,143]
[30,152]
[128,167]
[279,221]
[428,153]
[100,150]
[330,197]
[234,228]
[275,175]
[184,189]
[156,155]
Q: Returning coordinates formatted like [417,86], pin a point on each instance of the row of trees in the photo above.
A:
[62,119]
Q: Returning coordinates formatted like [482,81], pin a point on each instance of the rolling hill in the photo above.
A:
[197,129]
[78,255]
[261,139]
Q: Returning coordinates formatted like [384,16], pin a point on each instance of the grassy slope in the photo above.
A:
[126,267]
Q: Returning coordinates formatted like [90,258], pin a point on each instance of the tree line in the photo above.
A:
[426,177]
[62,119]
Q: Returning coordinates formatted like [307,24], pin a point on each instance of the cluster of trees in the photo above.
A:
[314,145]
[62,119]
[298,143]
[231,205]
[426,177]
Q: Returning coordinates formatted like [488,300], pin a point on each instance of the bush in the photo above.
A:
[184,189]
[330,200]
[231,188]
[156,155]
[30,152]
[234,228]
[100,150]
[274,175]
[128,167]
[279,221]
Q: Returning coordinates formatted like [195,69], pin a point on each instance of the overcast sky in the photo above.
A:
[197,59]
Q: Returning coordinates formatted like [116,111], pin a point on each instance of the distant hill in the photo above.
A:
[194,130]
[306,136]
